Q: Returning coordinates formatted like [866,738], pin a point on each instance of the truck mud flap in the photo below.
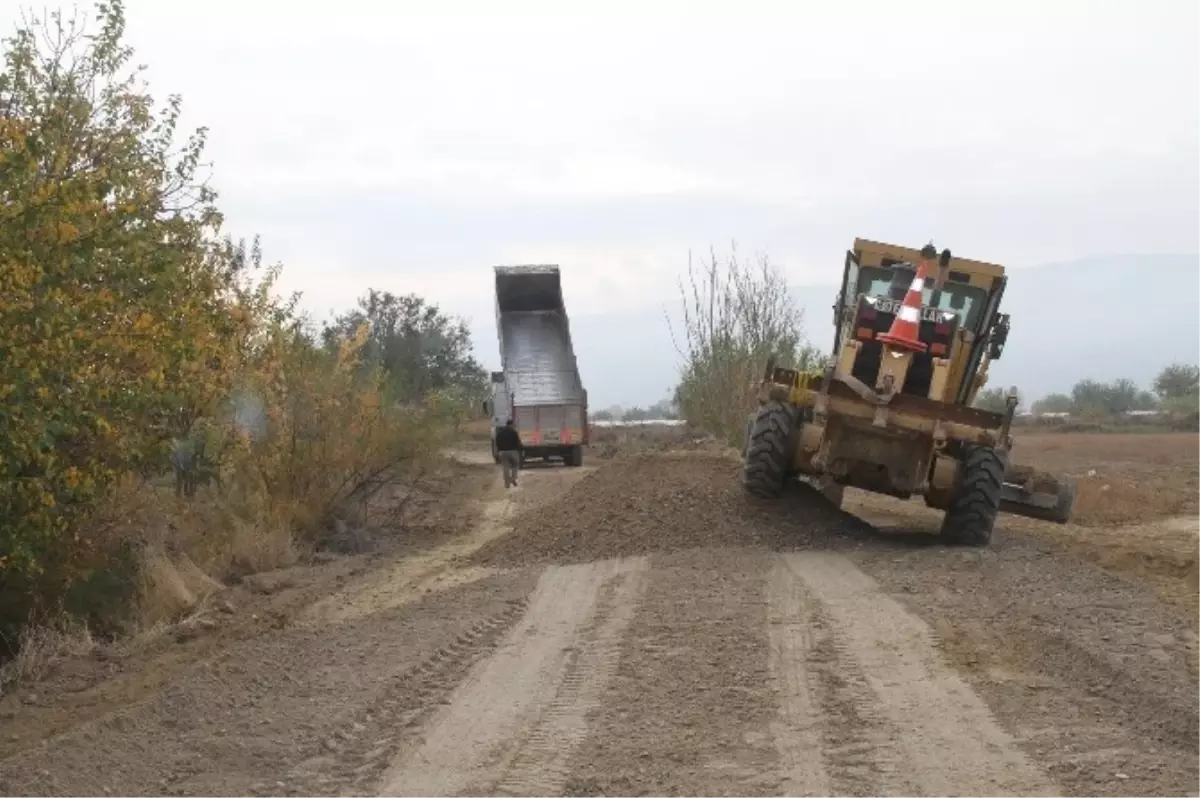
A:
[1044,505]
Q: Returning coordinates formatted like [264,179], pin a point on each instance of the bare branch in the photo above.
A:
[736,314]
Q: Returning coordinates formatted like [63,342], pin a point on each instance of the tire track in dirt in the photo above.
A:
[356,755]
[884,672]
[1088,670]
[243,722]
[688,711]
[858,745]
[831,738]
[797,731]
[539,683]
[542,765]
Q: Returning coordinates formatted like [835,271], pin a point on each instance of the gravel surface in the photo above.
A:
[662,503]
[640,627]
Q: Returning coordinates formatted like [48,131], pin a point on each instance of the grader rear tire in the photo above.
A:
[768,451]
[971,516]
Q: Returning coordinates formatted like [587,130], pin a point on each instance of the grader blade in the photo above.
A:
[1036,494]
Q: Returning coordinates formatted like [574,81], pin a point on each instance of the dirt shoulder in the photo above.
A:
[92,682]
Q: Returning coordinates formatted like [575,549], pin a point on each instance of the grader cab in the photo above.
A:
[892,411]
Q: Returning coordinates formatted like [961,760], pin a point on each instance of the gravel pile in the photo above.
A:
[661,502]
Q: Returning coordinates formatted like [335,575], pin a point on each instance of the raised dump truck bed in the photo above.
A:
[539,386]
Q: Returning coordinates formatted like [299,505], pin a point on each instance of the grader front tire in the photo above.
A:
[768,451]
[971,516]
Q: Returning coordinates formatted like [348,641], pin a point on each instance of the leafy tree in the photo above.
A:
[1091,398]
[114,332]
[1177,380]
[125,318]
[419,348]
[1098,399]
[1053,403]
[995,399]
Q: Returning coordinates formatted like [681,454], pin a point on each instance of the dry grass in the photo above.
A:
[479,429]
[41,649]
[188,550]
[65,678]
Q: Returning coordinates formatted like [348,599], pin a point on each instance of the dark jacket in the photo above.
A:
[508,440]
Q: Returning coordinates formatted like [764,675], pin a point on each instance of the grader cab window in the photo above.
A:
[966,301]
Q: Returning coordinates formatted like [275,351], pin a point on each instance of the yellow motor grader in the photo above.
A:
[892,411]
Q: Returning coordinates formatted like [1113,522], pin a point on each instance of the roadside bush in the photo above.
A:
[736,315]
[128,322]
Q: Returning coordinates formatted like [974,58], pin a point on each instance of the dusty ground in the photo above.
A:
[637,626]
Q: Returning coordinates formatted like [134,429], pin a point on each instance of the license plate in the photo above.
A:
[550,436]
[892,306]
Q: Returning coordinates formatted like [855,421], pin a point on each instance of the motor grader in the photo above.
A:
[892,412]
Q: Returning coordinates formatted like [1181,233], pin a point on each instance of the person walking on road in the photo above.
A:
[508,444]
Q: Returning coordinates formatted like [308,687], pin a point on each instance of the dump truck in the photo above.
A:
[892,410]
[538,386]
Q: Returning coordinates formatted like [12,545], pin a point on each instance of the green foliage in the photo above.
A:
[108,293]
[1053,403]
[126,322]
[419,348]
[1091,399]
[996,399]
[736,316]
[1177,382]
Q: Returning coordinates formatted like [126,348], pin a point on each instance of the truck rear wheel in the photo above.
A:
[768,451]
[574,457]
[976,500]
[495,453]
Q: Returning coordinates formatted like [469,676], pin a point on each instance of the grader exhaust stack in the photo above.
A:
[892,411]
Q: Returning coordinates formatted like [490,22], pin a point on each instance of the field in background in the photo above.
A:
[1122,479]
[1124,424]
[616,437]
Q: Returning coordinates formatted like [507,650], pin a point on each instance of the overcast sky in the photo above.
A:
[374,145]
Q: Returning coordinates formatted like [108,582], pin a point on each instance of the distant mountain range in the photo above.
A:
[1100,318]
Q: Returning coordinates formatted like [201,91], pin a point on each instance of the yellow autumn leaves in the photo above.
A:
[127,322]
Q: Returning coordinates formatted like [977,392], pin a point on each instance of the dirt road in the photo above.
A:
[640,627]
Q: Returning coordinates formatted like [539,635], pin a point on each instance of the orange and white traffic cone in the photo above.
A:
[905,332]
